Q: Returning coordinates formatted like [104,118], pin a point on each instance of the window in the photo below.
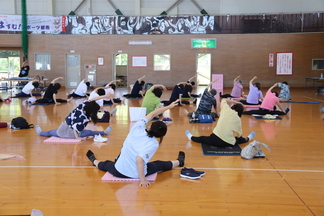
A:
[43,61]
[318,64]
[162,62]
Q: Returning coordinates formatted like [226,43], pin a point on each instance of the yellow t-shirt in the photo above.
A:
[229,124]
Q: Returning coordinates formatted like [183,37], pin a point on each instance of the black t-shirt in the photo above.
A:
[188,89]
[23,72]
[50,91]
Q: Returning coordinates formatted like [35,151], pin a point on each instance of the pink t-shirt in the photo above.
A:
[269,101]
[237,90]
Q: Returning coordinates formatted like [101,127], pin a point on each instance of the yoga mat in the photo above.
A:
[133,97]
[109,177]
[234,150]
[42,103]
[61,140]
[300,102]
[260,117]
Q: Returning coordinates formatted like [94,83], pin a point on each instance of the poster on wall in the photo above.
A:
[271,59]
[139,61]
[284,63]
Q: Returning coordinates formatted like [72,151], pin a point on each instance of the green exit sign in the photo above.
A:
[203,43]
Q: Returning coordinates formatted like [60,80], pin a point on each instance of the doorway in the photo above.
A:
[72,70]
[203,70]
[120,69]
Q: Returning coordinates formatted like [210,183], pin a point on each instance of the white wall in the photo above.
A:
[154,7]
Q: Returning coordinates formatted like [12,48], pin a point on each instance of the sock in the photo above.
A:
[287,110]
[181,158]
[251,135]
[108,129]
[38,129]
[91,156]
[113,112]
[322,108]
[188,134]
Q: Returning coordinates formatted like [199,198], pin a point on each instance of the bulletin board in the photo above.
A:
[284,64]
[139,61]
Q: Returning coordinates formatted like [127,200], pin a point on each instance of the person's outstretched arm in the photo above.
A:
[158,86]
[140,79]
[254,78]
[113,81]
[189,80]
[106,96]
[156,112]
[237,78]
[58,78]
[210,84]
[274,85]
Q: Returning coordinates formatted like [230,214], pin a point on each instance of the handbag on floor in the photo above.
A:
[251,150]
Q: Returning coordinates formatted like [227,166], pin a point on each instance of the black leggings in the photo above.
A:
[214,140]
[264,112]
[152,167]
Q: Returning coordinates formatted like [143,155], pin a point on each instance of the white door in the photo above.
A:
[73,70]
[203,68]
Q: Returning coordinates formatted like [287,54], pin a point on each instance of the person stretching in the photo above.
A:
[228,131]
[138,148]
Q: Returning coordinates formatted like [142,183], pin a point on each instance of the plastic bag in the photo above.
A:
[252,149]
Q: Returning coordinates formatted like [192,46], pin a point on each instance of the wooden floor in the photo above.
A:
[58,179]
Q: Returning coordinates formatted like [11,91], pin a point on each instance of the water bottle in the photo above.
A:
[321,76]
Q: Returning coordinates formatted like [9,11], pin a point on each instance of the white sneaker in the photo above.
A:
[99,138]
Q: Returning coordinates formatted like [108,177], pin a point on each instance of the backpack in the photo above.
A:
[105,117]
[20,123]
[251,150]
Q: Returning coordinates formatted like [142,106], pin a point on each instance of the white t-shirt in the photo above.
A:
[29,86]
[81,89]
[109,91]
[94,94]
[137,143]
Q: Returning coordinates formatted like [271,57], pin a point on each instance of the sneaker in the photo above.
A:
[181,158]
[200,173]
[91,156]
[187,173]
[99,138]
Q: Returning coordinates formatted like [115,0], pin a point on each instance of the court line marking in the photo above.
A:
[226,169]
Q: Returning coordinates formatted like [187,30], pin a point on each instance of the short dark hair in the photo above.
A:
[158,129]
[284,82]
[57,86]
[113,86]
[193,83]
[35,84]
[87,83]
[258,85]
[101,92]
[157,92]
[238,108]
[91,109]
[276,93]
[142,83]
